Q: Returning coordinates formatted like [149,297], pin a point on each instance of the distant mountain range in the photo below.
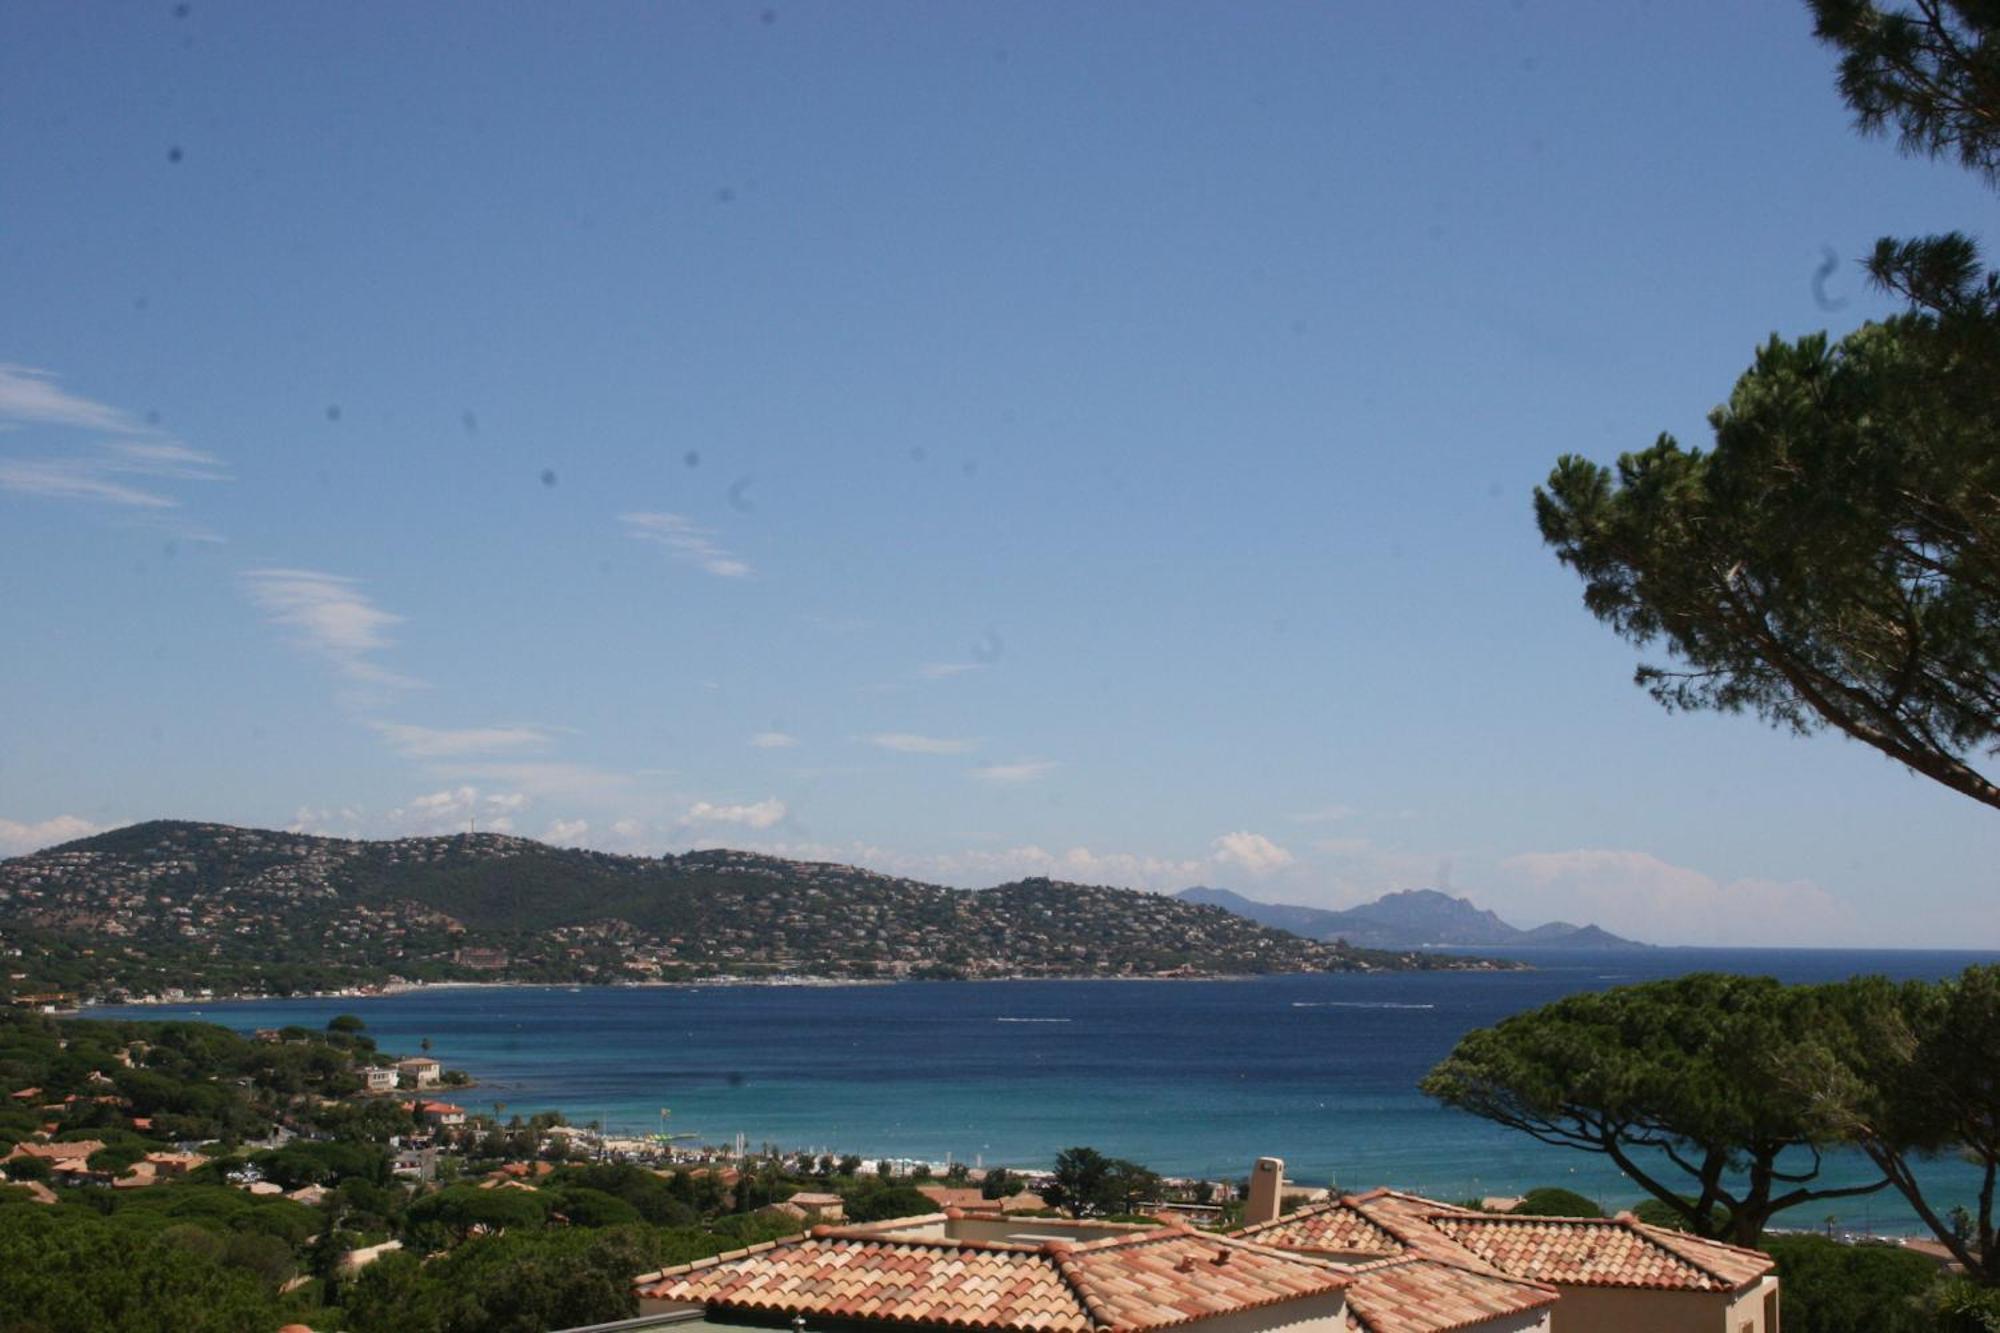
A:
[170,906]
[1411,919]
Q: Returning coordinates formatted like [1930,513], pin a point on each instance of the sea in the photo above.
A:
[1191,1078]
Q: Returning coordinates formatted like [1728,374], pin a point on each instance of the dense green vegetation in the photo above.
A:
[162,907]
[1674,1081]
[1717,1094]
[513,1234]
[1089,1184]
[1832,1288]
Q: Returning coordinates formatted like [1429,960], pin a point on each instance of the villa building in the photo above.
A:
[1380,1262]
[441,1115]
[421,1070]
[1039,1275]
[1614,1275]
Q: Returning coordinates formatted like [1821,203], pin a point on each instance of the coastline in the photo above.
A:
[804,982]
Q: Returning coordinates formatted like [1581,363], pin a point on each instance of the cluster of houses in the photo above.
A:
[69,1164]
[1380,1262]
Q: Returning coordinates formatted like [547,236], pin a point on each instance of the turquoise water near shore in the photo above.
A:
[1189,1077]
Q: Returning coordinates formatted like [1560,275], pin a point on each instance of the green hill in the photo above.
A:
[171,904]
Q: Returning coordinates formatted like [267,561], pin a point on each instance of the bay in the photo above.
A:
[1189,1077]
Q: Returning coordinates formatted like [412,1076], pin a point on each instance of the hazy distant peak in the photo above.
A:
[1409,918]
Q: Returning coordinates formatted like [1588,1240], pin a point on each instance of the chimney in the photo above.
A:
[1267,1185]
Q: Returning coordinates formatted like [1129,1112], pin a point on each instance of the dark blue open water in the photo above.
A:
[1193,1078]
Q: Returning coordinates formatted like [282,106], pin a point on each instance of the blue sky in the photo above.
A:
[965,440]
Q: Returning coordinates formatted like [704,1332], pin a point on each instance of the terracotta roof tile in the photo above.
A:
[1169,1276]
[1605,1252]
[1328,1228]
[1416,1295]
[908,1281]
[1731,1263]
[1146,1279]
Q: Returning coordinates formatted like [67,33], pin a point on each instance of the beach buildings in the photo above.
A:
[438,1115]
[420,1071]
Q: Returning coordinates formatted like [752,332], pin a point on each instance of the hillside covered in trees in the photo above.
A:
[169,905]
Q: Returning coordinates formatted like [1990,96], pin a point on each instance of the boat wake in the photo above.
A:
[1356,1004]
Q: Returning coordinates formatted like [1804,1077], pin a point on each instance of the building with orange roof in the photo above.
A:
[1613,1275]
[819,1206]
[956,1270]
[57,1153]
[954,1196]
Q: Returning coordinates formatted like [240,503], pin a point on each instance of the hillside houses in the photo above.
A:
[157,905]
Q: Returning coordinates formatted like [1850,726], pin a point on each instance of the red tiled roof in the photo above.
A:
[1148,1278]
[1169,1275]
[1605,1252]
[1329,1228]
[950,1196]
[908,1281]
[59,1152]
[1416,1295]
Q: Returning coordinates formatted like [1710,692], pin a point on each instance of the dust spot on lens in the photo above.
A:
[918,453]
[548,476]
[470,421]
[174,154]
[1829,264]
[739,495]
[333,412]
[735,1079]
[692,458]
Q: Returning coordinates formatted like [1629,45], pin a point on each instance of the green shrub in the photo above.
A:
[1551,1202]
[1833,1288]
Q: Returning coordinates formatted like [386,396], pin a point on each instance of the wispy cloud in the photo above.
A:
[1638,894]
[75,479]
[451,743]
[32,397]
[1251,852]
[18,839]
[548,779]
[774,740]
[327,821]
[457,808]
[687,540]
[946,670]
[1026,770]
[909,742]
[1326,814]
[566,832]
[331,617]
[104,471]
[759,815]
[439,743]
